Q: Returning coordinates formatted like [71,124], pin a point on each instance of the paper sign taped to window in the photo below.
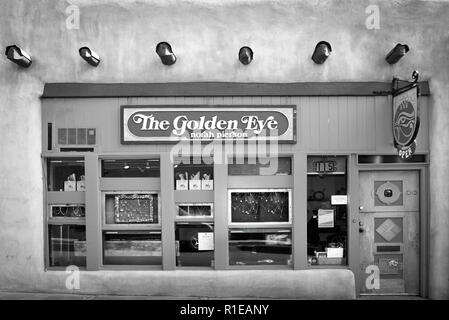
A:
[205,241]
[339,200]
[325,218]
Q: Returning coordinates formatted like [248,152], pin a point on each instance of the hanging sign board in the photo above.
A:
[405,121]
[162,124]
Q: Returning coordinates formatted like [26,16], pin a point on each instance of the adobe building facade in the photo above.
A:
[339,206]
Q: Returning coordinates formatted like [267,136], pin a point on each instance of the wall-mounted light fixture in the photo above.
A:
[126,166]
[397,53]
[90,56]
[165,52]
[246,55]
[18,56]
[322,51]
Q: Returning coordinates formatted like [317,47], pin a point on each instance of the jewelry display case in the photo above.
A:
[260,206]
[124,208]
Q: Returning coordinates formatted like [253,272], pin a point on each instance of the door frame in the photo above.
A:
[423,172]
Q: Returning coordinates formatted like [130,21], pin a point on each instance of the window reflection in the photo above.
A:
[67,245]
[132,248]
[260,247]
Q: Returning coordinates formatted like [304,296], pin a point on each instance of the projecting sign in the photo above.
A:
[406,121]
[155,124]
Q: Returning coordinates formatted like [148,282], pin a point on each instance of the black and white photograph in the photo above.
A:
[221,158]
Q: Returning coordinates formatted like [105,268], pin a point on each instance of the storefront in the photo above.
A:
[163,177]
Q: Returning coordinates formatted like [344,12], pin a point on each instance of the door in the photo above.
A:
[389,232]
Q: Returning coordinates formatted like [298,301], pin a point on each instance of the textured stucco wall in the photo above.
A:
[206,36]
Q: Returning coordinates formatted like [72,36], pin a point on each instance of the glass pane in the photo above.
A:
[260,207]
[260,247]
[138,248]
[65,174]
[327,226]
[252,167]
[195,210]
[130,168]
[191,175]
[67,245]
[194,244]
[68,211]
[131,209]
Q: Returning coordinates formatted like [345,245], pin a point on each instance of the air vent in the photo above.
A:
[76,136]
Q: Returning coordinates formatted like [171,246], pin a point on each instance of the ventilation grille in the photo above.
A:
[76,136]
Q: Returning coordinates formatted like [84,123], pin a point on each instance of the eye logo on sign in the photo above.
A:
[406,121]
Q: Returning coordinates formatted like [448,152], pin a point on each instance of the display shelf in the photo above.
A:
[193,196]
[193,176]
[66,197]
[130,184]
[281,181]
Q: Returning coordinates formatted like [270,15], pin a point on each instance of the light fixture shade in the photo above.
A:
[397,53]
[322,51]
[165,52]
[18,56]
[246,55]
[90,56]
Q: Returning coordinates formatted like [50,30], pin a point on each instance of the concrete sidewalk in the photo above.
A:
[4,295]
[61,296]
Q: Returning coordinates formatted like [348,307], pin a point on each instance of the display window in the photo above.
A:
[327,226]
[61,212]
[260,206]
[131,208]
[194,244]
[65,174]
[67,245]
[260,247]
[130,168]
[189,211]
[193,174]
[132,248]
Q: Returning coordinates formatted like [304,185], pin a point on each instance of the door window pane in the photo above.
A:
[327,226]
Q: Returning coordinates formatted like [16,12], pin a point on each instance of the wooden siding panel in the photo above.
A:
[324,124]
[334,125]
